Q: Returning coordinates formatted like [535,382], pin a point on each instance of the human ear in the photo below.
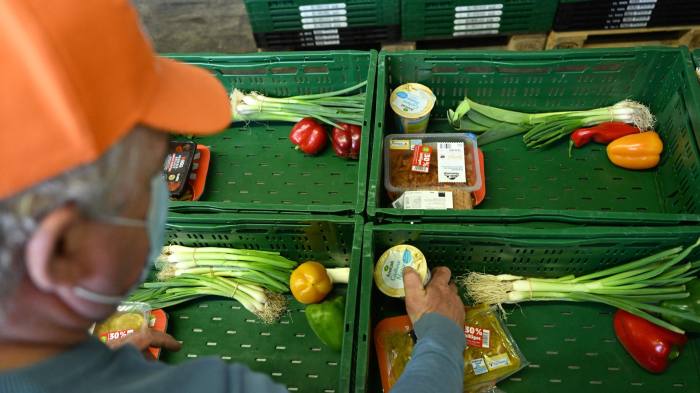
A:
[47,264]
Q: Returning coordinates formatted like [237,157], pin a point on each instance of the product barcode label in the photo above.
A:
[324,19]
[496,362]
[477,20]
[481,7]
[638,13]
[317,7]
[327,42]
[474,32]
[326,31]
[629,25]
[323,16]
[478,14]
[482,19]
[478,26]
[451,163]
[334,25]
[641,7]
[311,14]
[479,366]
[636,19]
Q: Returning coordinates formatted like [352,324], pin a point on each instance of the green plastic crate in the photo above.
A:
[269,16]
[438,19]
[524,185]
[254,167]
[289,351]
[571,347]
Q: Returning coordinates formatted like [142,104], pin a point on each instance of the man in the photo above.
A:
[83,204]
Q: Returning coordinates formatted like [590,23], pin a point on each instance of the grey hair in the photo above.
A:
[103,186]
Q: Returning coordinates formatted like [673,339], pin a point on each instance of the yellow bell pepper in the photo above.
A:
[636,151]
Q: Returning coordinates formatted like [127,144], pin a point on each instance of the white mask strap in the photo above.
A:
[95,297]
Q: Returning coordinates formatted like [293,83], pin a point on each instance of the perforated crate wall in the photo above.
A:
[288,350]
[524,184]
[571,347]
[254,166]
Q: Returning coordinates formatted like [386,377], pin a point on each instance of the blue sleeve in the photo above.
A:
[243,380]
[437,361]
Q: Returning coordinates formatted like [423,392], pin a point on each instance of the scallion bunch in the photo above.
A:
[636,287]
[254,278]
[330,108]
[541,129]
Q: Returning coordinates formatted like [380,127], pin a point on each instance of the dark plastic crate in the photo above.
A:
[254,167]
[288,350]
[433,19]
[571,347]
[272,16]
[351,37]
[593,14]
[525,185]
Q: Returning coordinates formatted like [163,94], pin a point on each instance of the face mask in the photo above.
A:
[155,224]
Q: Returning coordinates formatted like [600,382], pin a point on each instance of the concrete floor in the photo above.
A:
[197,25]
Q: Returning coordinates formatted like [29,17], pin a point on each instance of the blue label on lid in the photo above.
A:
[407,257]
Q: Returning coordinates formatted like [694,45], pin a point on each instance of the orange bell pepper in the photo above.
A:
[636,151]
[310,283]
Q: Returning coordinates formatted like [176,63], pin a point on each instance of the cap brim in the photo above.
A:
[188,100]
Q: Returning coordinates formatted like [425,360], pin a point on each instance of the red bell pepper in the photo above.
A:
[309,136]
[650,345]
[602,133]
[346,140]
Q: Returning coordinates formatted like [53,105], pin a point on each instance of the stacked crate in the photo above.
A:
[624,14]
[322,24]
[432,19]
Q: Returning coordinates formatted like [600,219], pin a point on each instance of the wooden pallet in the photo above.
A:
[520,42]
[673,35]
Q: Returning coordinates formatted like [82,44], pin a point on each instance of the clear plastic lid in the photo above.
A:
[442,162]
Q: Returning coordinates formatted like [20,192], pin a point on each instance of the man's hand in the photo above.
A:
[145,339]
[439,296]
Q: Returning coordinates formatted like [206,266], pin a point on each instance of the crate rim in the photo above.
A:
[208,61]
[496,232]
[523,215]
[222,222]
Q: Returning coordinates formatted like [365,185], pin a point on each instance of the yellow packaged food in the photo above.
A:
[129,318]
[490,355]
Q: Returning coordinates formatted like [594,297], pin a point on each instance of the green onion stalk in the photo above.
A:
[636,287]
[541,129]
[254,278]
[331,108]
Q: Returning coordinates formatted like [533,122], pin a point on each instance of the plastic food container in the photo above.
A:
[412,103]
[130,317]
[388,271]
[447,163]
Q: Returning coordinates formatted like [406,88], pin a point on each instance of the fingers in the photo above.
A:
[453,287]
[413,285]
[163,340]
[441,276]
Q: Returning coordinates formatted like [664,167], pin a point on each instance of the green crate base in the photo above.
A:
[254,166]
[529,185]
[288,350]
[571,347]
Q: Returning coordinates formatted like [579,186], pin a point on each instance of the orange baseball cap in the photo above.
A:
[78,75]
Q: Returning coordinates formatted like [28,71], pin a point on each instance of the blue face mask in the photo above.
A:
[155,224]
